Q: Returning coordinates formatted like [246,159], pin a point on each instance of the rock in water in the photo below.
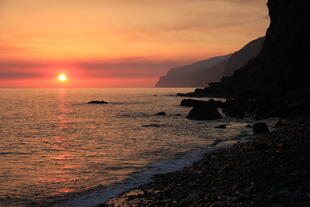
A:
[97,102]
[260,128]
[161,114]
[206,111]
[191,102]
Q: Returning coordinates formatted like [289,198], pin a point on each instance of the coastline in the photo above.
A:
[268,170]
[97,197]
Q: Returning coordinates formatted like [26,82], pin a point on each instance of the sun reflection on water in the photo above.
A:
[63,171]
[62,109]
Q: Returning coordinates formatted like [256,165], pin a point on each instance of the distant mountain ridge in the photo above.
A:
[196,74]
[201,73]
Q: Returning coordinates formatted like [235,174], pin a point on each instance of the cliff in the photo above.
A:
[282,65]
[214,69]
[241,57]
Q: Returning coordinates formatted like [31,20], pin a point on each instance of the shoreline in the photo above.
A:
[95,198]
[267,170]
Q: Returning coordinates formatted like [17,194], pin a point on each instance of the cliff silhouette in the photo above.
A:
[282,64]
[202,73]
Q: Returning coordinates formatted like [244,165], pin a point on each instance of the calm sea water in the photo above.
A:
[57,150]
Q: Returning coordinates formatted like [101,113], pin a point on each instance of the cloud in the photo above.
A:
[18,75]
[137,67]
[15,64]
[129,68]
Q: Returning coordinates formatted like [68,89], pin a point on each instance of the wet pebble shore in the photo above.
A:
[270,170]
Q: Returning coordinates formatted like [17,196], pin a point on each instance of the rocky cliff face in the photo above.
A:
[283,62]
[287,48]
[241,57]
[200,74]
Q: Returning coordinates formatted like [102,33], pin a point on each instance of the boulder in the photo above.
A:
[161,114]
[260,128]
[193,103]
[189,199]
[207,111]
[199,92]
[97,102]
[223,126]
[278,124]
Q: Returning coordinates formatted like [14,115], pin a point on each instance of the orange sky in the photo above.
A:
[109,43]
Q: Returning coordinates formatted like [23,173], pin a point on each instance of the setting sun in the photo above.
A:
[62,77]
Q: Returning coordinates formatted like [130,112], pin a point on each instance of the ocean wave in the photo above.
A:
[99,196]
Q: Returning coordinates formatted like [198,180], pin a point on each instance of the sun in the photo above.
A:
[62,77]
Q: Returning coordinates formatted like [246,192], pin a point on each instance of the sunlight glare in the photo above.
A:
[62,77]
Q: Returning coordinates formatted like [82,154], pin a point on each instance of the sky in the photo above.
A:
[118,43]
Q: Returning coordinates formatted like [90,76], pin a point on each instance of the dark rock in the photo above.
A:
[192,103]
[216,142]
[161,114]
[280,64]
[260,128]
[190,198]
[221,204]
[234,108]
[204,112]
[178,114]
[279,124]
[284,193]
[97,102]
[248,126]
[218,104]
[199,92]
[283,146]
[152,125]
[223,126]
[278,205]
[261,146]
[305,203]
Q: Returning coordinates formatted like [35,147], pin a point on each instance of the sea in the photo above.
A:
[58,150]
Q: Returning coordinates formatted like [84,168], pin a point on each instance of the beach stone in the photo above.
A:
[97,102]
[261,146]
[221,204]
[284,193]
[161,114]
[152,125]
[204,112]
[260,128]
[223,126]
[279,124]
[303,203]
[216,142]
[298,194]
[278,205]
[190,198]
